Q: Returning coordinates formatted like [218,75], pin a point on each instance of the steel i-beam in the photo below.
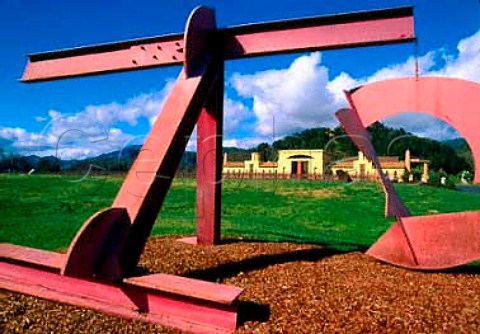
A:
[373,27]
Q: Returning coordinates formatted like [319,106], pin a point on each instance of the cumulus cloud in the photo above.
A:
[90,132]
[97,129]
[295,96]
[467,64]
[236,114]
[303,95]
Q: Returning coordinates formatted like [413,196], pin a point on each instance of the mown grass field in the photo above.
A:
[45,211]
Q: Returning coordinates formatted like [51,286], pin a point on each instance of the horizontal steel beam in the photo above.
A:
[124,299]
[306,34]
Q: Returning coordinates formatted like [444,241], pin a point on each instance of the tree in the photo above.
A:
[266,152]
[48,165]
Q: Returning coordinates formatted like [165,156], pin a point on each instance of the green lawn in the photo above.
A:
[46,211]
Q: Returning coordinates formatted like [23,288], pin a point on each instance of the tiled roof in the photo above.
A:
[396,165]
[383,159]
[345,164]
[234,164]
[268,164]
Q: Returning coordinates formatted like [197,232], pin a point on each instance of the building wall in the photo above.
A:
[314,161]
[253,165]
[369,171]
[313,158]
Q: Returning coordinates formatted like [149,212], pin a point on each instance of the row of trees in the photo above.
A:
[387,141]
[12,162]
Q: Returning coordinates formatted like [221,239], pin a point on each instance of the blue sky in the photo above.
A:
[87,116]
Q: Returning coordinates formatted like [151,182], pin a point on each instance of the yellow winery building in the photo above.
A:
[290,162]
[316,163]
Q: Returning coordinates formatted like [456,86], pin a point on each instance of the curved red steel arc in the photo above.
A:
[423,242]
[455,101]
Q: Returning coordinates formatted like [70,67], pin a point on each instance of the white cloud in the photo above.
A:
[96,129]
[246,142]
[90,132]
[40,119]
[297,96]
[235,114]
[467,64]
[304,96]
[423,125]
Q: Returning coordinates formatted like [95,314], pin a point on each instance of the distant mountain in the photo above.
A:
[457,143]
[387,141]
[121,160]
[111,162]
[461,148]
[452,156]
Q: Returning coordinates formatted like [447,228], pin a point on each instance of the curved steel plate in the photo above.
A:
[431,242]
[454,101]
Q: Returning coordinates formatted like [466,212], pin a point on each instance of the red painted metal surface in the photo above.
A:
[148,180]
[199,40]
[191,240]
[334,35]
[423,242]
[454,101]
[36,257]
[201,290]
[108,246]
[324,32]
[209,165]
[125,300]
[431,242]
[357,132]
[96,248]
[145,186]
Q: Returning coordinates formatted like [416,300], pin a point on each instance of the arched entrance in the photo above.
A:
[454,101]
[299,165]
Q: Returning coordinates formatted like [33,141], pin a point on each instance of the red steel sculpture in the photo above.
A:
[98,270]
[419,242]
[454,101]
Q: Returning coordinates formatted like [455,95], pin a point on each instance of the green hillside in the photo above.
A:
[451,157]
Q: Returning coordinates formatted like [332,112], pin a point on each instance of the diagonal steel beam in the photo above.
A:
[110,243]
[315,33]
[357,132]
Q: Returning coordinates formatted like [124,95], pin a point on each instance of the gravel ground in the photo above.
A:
[289,288]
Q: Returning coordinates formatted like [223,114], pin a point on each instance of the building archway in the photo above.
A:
[454,101]
[299,164]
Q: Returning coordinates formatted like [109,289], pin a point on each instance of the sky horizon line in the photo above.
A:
[91,115]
